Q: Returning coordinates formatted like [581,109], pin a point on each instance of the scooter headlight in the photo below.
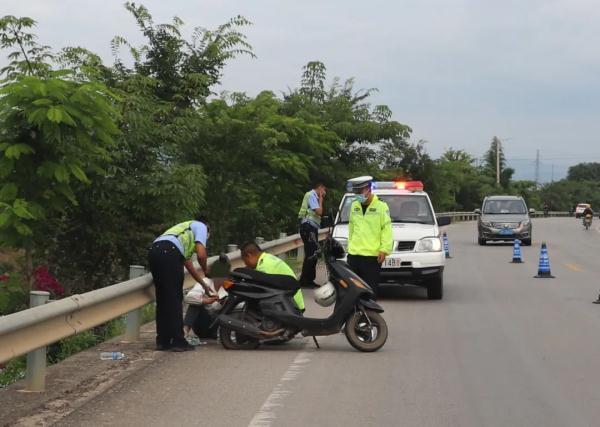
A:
[429,244]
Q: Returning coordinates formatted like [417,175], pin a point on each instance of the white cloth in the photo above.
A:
[195,295]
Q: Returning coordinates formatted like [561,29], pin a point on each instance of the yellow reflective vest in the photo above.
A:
[371,232]
[270,264]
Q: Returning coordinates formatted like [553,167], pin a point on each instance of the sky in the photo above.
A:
[458,72]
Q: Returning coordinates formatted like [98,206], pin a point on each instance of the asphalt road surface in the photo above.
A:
[501,349]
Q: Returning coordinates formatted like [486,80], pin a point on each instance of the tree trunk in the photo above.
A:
[29,268]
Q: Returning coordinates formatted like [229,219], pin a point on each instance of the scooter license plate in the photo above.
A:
[391,263]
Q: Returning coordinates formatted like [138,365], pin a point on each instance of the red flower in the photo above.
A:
[45,281]
[4,277]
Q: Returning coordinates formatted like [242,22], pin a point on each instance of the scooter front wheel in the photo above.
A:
[366,331]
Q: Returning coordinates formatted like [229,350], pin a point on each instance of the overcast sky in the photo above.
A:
[457,71]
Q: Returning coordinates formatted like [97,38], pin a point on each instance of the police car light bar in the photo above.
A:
[393,185]
[399,185]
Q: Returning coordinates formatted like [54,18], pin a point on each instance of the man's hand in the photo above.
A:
[210,300]
[381,257]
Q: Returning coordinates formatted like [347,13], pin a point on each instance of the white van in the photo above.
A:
[417,257]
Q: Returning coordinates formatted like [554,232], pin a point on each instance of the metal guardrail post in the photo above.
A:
[36,359]
[282,236]
[133,319]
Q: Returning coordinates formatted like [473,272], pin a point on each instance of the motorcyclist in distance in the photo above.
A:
[588,213]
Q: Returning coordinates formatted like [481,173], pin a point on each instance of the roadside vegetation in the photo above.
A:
[96,159]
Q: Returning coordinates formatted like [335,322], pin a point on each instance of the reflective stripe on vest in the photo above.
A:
[306,212]
[185,235]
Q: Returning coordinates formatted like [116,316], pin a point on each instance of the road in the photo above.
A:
[501,349]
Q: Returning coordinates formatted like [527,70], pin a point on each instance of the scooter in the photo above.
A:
[260,308]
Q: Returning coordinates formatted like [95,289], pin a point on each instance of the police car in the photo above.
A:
[417,256]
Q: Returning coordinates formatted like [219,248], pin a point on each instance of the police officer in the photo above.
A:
[167,256]
[254,257]
[369,232]
[309,216]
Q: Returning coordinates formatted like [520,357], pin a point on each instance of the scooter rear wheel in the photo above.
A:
[366,334]
[233,340]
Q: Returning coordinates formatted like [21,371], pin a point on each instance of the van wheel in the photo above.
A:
[435,287]
[481,241]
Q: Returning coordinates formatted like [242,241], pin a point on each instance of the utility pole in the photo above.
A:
[537,168]
[552,180]
[498,162]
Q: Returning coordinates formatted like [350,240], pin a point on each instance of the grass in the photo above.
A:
[15,369]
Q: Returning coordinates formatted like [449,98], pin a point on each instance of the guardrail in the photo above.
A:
[38,327]
[472,216]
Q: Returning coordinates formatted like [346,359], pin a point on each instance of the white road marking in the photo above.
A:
[267,413]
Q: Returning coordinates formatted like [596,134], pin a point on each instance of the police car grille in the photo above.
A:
[405,246]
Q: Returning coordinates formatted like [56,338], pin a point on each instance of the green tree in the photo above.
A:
[30,58]
[184,71]
[459,185]
[490,166]
[584,172]
[55,134]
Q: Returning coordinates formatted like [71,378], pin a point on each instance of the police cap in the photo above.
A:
[358,184]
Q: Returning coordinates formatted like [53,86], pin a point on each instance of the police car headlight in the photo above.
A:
[429,244]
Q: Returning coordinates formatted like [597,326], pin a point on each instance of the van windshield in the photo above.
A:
[405,208]
[499,206]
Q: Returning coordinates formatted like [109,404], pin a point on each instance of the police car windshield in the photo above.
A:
[407,208]
[495,207]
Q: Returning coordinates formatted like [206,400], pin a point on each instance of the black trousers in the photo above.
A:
[310,237]
[166,266]
[367,268]
[199,319]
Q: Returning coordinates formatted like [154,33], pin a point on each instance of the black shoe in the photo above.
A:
[180,348]
[162,347]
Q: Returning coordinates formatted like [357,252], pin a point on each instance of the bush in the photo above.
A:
[43,280]
[13,296]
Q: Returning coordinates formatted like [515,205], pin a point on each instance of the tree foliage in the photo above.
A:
[584,172]
[96,159]
[55,134]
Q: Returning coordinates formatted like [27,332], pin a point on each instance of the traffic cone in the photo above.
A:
[598,300]
[517,252]
[446,246]
[544,265]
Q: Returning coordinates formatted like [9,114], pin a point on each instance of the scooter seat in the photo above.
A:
[275,281]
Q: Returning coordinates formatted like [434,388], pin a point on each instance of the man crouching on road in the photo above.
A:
[264,262]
